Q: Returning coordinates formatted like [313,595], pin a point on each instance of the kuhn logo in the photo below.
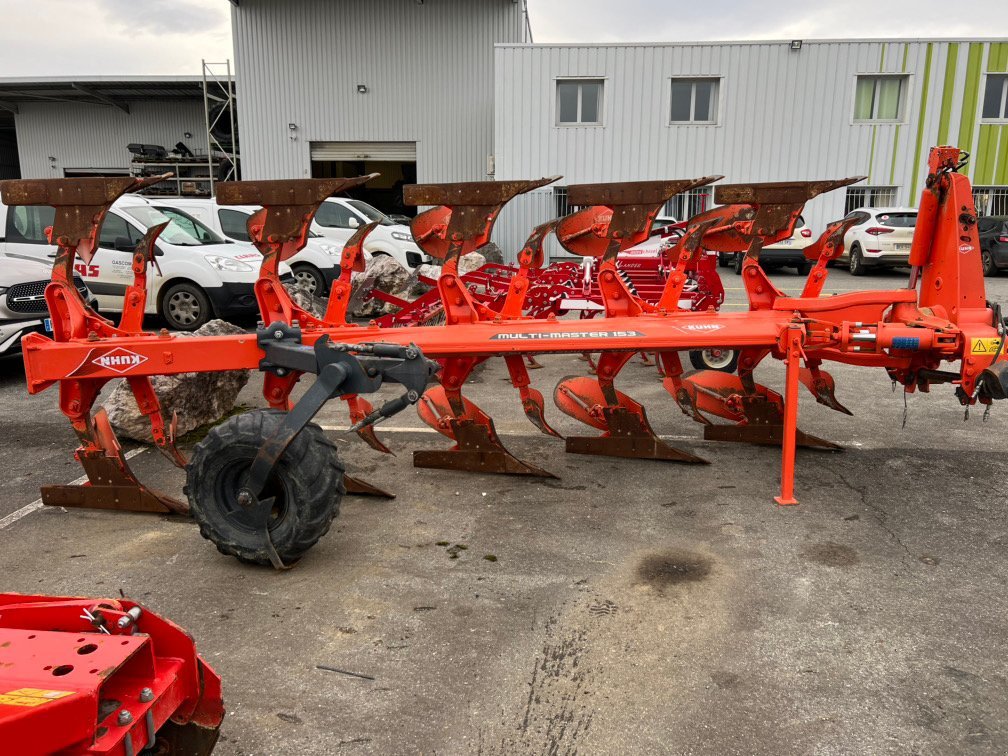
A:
[965,248]
[703,327]
[119,360]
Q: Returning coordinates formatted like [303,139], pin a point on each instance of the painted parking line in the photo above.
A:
[37,504]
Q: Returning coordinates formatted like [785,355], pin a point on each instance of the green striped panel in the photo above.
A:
[948,90]
[919,149]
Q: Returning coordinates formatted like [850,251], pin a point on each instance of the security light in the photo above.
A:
[292,126]
[362,89]
[796,44]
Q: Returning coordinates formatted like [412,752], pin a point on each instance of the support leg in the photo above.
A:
[790,440]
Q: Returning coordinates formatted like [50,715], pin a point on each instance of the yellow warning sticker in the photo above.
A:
[985,346]
[32,696]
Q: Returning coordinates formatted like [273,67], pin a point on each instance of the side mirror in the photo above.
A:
[353,223]
[123,244]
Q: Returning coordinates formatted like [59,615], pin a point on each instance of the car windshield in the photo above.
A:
[183,230]
[371,213]
[898,220]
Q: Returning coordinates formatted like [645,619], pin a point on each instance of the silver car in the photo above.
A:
[23,307]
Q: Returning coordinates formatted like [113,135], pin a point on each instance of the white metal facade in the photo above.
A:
[782,114]
[86,136]
[428,69]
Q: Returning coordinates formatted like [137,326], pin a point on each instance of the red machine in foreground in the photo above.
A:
[101,676]
[266,485]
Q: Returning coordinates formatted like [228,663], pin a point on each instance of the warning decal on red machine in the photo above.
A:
[32,696]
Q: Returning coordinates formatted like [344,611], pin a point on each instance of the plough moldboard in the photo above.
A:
[253,473]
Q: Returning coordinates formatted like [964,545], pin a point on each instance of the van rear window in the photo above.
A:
[898,220]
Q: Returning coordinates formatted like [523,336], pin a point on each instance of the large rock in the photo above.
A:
[197,398]
[303,298]
[382,273]
[469,263]
[414,286]
[492,253]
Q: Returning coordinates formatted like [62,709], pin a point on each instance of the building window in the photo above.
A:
[684,206]
[579,102]
[869,196]
[879,98]
[694,100]
[991,200]
[995,103]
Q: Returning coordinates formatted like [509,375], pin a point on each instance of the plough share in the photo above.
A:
[264,486]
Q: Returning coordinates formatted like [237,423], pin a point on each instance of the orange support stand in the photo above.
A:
[795,334]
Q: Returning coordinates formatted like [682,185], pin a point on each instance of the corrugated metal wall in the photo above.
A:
[95,136]
[783,115]
[428,69]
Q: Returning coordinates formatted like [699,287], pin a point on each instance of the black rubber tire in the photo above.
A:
[724,259]
[192,295]
[737,264]
[803,267]
[311,276]
[699,361]
[307,481]
[856,264]
[987,260]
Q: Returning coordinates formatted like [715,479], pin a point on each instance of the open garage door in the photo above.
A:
[395,161]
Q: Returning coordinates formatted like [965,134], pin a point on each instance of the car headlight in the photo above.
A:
[227,263]
[401,236]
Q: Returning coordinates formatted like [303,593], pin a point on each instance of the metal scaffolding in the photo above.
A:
[223,158]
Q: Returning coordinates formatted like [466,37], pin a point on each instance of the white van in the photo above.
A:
[338,218]
[316,266]
[201,274]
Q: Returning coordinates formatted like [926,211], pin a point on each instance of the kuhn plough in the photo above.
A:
[265,485]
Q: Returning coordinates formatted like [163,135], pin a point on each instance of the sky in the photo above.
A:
[96,37]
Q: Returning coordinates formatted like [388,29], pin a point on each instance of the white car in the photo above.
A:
[201,274]
[884,239]
[317,265]
[337,219]
[23,308]
[788,252]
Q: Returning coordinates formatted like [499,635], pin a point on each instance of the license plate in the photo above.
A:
[902,247]
[47,324]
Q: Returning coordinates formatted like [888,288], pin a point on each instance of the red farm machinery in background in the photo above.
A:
[101,676]
[265,486]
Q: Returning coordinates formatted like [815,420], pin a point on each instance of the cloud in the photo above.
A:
[661,21]
[109,37]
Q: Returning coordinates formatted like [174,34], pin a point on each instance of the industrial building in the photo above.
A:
[318,94]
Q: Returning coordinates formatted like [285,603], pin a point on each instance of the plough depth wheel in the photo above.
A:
[305,485]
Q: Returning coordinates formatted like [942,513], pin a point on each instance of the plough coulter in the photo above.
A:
[264,486]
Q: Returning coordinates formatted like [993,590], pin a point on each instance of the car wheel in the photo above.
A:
[987,259]
[715,358]
[803,267]
[724,259]
[311,277]
[856,263]
[738,262]
[186,307]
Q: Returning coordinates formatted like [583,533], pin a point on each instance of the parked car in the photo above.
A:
[23,307]
[788,252]
[316,265]
[993,243]
[337,219]
[881,240]
[201,274]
